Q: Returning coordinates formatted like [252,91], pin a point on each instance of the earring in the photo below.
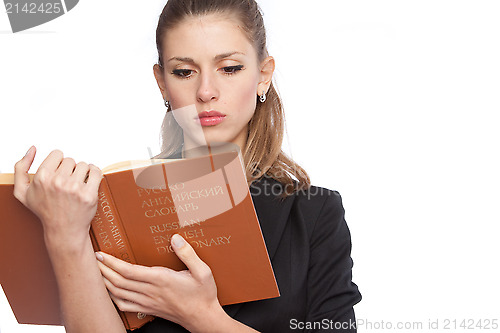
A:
[167,104]
[263,97]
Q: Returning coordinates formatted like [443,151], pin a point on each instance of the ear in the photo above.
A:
[266,75]
[160,79]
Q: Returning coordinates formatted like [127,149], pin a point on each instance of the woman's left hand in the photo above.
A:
[187,297]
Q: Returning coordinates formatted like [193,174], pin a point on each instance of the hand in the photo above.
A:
[188,297]
[63,194]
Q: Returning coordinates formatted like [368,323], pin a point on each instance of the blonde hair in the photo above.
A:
[262,153]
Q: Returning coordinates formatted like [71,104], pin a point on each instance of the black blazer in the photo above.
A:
[309,245]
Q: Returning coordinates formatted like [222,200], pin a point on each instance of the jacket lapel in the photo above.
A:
[273,213]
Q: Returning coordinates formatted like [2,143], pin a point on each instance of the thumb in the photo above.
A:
[199,270]
[21,177]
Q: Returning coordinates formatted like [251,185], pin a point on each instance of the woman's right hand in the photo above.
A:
[62,194]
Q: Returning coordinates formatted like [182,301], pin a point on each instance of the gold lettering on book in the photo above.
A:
[193,237]
[117,237]
[197,194]
[223,240]
[160,212]
[174,227]
[162,204]
[97,223]
[170,210]
[148,191]
[99,226]
[193,234]
[165,227]
[162,239]
[110,239]
[162,201]
[186,234]
[159,189]
[164,249]
[106,208]
[105,241]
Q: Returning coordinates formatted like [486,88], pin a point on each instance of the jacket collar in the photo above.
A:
[273,213]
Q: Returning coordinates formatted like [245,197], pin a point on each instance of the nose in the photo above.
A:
[207,90]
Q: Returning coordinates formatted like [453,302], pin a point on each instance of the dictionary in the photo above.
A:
[142,204]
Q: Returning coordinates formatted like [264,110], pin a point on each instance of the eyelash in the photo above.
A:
[182,73]
[233,69]
[186,73]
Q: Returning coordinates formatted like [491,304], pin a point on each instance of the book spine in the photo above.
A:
[107,235]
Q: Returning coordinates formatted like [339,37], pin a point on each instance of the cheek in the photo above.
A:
[180,94]
[251,92]
[246,94]
[250,95]
[177,98]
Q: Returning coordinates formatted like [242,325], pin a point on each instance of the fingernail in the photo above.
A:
[99,256]
[178,241]
[29,150]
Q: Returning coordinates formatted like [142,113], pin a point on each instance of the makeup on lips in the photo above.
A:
[210,118]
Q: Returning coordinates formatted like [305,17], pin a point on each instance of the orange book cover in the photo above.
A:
[205,199]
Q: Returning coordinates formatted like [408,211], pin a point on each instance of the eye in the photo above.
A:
[183,73]
[230,70]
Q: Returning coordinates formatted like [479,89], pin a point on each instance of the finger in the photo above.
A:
[94,178]
[131,296]
[118,280]
[124,269]
[52,161]
[66,167]
[128,306]
[188,256]
[21,177]
[81,172]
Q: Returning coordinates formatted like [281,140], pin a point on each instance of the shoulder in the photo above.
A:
[318,198]
[321,211]
[272,188]
[314,197]
[310,206]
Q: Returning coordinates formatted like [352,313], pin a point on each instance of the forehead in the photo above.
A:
[206,36]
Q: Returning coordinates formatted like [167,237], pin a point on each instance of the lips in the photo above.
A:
[211,118]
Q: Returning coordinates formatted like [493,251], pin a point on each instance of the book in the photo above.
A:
[205,199]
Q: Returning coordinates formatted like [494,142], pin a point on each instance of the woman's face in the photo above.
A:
[213,75]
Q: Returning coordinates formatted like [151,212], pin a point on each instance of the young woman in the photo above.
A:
[212,59]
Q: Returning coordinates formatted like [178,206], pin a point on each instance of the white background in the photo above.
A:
[395,104]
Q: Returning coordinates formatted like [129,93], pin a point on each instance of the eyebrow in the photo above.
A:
[216,58]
